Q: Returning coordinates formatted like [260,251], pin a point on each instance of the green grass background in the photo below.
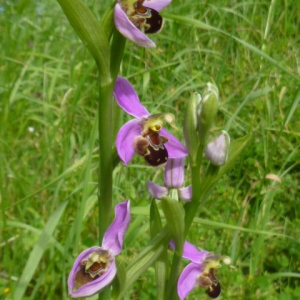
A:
[48,142]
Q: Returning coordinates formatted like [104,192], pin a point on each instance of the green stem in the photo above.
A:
[117,50]
[90,32]
[108,121]
[173,277]
[105,157]
[190,212]
[192,208]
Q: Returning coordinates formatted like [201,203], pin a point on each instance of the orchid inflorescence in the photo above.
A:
[95,268]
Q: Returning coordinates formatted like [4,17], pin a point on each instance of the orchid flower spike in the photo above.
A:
[201,271]
[145,134]
[95,268]
[174,180]
[134,18]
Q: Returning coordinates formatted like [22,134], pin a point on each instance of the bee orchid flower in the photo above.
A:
[134,18]
[95,268]
[200,272]
[145,134]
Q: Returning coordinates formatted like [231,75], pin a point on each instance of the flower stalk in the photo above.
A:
[107,122]
[105,156]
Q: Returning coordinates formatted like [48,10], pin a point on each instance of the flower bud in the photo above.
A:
[208,110]
[217,149]
[190,126]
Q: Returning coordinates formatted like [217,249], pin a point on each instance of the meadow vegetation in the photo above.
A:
[48,142]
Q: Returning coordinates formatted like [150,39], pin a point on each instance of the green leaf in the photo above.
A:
[38,251]
[145,259]
[285,274]
[174,213]
[221,225]
[155,220]
[161,273]
[293,109]
[120,280]
[90,32]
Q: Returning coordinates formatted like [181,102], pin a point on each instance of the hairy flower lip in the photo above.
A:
[127,28]
[111,246]
[94,286]
[128,100]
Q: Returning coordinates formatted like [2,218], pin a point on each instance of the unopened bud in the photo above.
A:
[217,149]
[191,126]
[207,112]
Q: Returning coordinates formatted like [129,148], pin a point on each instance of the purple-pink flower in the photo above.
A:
[135,18]
[144,135]
[201,271]
[95,267]
[173,180]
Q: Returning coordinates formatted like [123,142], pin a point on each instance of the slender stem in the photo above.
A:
[192,208]
[108,121]
[173,277]
[105,157]
[190,212]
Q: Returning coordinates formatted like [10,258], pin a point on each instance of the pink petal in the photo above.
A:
[216,151]
[174,173]
[174,147]
[185,193]
[188,279]
[158,5]
[114,235]
[128,99]
[129,30]
[156,191]
[193,254]
[125,137]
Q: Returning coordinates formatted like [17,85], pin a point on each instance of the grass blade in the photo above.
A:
[199,24]
[38,251]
